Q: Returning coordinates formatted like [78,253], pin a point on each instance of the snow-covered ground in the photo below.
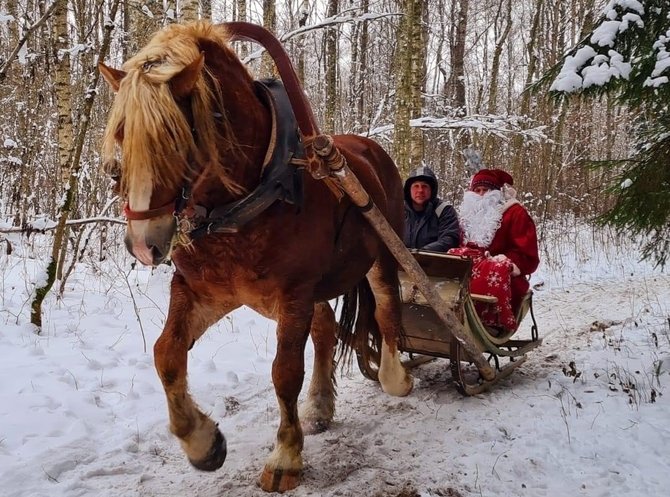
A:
[82,411]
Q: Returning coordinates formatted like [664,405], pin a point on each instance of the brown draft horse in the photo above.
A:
[188,112]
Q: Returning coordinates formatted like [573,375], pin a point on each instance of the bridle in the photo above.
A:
[175,207]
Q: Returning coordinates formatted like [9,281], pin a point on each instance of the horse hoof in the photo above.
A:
[279,480]
[215,457]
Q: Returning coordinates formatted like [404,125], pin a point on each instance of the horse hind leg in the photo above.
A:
[383,279]
[318,409]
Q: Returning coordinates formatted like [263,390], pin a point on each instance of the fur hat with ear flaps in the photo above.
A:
[494,179]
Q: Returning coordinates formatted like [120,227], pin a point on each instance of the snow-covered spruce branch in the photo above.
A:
[343,17]
[502,127]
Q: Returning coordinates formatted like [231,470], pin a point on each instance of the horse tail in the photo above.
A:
[357,327]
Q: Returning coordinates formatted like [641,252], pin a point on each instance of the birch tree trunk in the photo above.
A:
[241,16]
[270,23]
[71,167]
[303,15]
[188,10]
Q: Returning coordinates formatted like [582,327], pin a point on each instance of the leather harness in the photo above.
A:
[281,176]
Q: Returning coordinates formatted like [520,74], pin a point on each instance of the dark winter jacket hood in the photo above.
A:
[421,174]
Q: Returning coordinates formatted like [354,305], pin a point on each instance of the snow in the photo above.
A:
[568,79]
[5,18]
[587,68]
[82,412]
[662,62]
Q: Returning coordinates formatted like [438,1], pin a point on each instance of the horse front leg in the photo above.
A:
[187,320]
[284,465]
[318,409]
[383,278]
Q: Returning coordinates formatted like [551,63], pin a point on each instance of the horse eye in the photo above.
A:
[149,64]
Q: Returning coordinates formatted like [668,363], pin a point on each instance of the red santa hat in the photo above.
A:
[493,179]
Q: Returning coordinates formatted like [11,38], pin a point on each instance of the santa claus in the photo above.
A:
[499,235]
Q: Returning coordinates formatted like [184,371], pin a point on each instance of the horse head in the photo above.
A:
[165,134]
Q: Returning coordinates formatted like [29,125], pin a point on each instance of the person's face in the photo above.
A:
[420,192]
[481,190]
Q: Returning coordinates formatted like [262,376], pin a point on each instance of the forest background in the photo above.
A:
[441,83]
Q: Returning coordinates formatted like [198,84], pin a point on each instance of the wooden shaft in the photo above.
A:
[323,145]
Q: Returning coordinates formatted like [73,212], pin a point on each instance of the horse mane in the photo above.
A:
[155,132]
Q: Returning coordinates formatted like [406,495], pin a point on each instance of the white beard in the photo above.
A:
[480,215]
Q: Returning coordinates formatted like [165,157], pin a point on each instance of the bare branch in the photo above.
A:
[24,39]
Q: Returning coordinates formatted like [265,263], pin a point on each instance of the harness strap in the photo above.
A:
[280,179]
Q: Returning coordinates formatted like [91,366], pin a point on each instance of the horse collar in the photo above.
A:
[281,176]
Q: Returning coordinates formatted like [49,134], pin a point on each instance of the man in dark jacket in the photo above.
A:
[429,223]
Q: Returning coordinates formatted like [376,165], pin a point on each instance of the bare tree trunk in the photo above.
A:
[455,87]
[303,15]
[188,10]
[519,157]
[501,39]
[331,52]
[72,166]
[270,23]
[495,63]
[410,74]
[359,63]
[144,18]
[241,16]
[206,9]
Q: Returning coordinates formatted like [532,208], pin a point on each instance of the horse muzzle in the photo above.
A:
[151,241]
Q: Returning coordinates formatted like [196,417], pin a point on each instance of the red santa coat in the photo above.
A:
[516,238]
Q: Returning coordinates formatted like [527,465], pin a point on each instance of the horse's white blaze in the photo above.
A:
[139,199]
[392,375]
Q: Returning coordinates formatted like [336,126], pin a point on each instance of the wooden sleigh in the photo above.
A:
[427,337]
[443,323]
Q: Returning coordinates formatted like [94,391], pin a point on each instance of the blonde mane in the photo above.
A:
[156,134]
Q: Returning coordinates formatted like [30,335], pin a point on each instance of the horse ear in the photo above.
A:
[111,75]
[183,82]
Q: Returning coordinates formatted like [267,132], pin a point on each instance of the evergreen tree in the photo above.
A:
[627,57]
